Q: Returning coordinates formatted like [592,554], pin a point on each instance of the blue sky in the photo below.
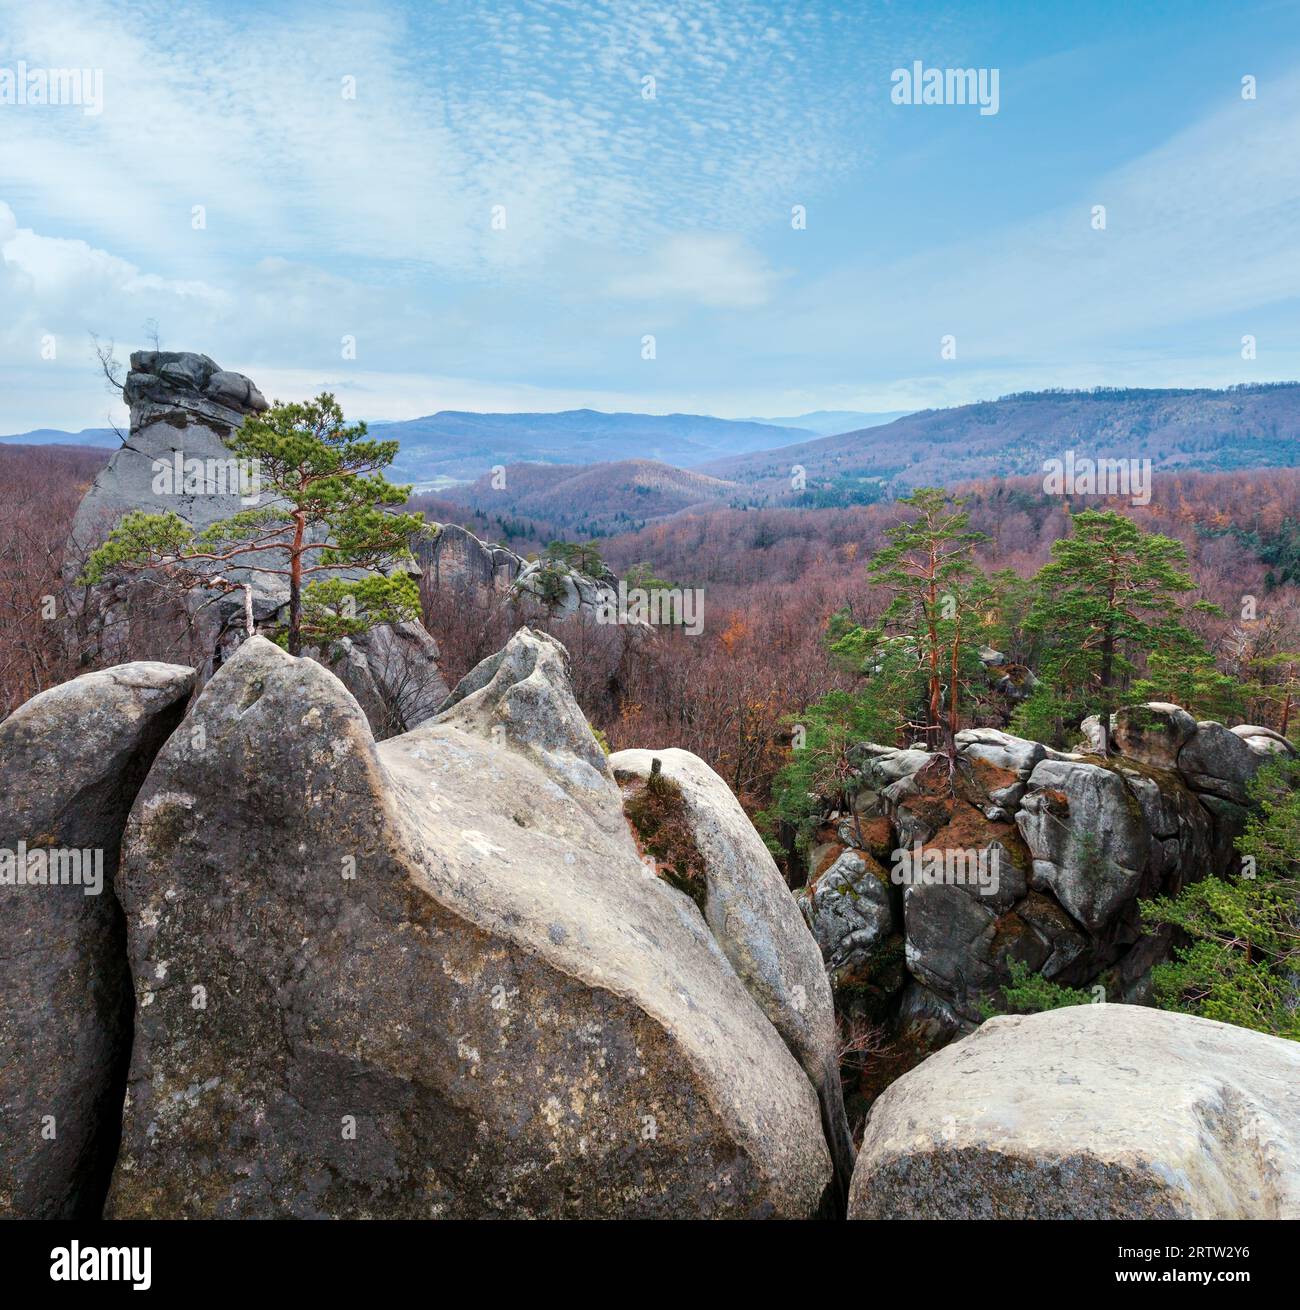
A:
[372,217]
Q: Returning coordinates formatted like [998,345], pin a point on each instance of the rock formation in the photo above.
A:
[1077,840]
[750,911]
[453,559]
[1089,1112]
[184,408]
[71,762]
[431,977]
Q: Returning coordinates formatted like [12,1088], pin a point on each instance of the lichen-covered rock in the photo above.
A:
[430,977]
[850,911]
[1153,733]
[71,762]
[1090,1112]
[1218,761]
[1087,837]
[756,921]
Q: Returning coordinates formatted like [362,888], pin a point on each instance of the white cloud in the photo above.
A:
[707,269]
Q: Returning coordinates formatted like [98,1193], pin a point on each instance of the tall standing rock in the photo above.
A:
[431,977]
[71,762]
[750,910]
[184,409]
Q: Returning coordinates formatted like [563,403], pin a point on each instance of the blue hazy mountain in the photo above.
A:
[830,422]
[457,445]
[102,437]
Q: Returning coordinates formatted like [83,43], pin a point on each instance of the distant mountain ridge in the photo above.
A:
[591,499]
[1247,426]
[827,422]
[100,438]
[462,446]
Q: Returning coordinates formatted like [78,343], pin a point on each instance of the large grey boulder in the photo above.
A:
[1263,741]
[455,560]
[1218,761]
[431,977]
[1090,1112]
[1153,733]
[756,921]
[71,762]
[1087,838]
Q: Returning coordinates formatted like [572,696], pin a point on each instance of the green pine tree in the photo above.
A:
[1241,960]
[1110,591]
[325,489]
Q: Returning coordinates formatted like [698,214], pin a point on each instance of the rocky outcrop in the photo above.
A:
[1153,733]
[753,916]
[430,977]
[1217,761]
[456,561]
[184,407]
[1069,845]
[1089,1112]
[71,762]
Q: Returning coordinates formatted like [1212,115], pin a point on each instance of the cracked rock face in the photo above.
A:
[181,404]
[433,977]
[1081,839]
[1089,1112]
[756,921]
[71,762]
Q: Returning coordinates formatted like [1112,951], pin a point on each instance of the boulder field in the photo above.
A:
[431,977]
[1068,844]
[438,975]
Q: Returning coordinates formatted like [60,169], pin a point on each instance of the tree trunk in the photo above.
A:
[295,587]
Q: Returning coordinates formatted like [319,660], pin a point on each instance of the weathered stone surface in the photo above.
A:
[179,386]
[1153,733]
[1216,760]
[454,559]
[448,942]
[393,672]
[1085,832]
[174,412]
[71,762]
[1263,741]
[1091,1112]
[756,921]
[850,911]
